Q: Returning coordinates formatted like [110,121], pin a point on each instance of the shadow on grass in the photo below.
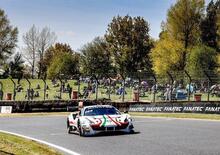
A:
[5,153]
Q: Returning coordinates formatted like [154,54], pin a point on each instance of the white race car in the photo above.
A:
[91,120]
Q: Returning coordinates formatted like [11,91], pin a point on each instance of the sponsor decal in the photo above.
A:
[212,109]
[116,123]
[202,108]
[104,122]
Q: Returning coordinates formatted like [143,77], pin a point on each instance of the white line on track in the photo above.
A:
[150,120]
[43,142]
[56,134]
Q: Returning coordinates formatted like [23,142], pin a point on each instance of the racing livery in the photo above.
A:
[91,120]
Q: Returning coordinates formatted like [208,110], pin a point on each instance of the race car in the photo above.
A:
[91,120]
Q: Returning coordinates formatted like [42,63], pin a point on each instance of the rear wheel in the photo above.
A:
[132,132]
[69,128]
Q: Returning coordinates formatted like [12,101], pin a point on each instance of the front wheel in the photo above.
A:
[81,132]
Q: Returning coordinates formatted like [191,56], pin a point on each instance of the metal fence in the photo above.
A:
[137,87]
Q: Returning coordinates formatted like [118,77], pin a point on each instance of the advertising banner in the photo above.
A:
[6,109]
[178,108]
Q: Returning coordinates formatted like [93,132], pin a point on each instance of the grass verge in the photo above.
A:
[14,145]
[35,114]
[168,115]
[178,115]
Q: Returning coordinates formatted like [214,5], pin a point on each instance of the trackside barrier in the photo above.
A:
[73,105]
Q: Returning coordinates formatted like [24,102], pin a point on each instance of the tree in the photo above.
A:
[209,26]
[65,64]
[183,21]
[217,5]
[202,59]
[37,42]
[8,37]
[96,59]
[46,39]
[179,35]
[61,59]
[52,52]
[31,40]
[129,42]
[16,67]
[166,56]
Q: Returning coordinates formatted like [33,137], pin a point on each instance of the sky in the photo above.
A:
[77,22]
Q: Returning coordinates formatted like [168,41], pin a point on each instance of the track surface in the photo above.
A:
[154,136]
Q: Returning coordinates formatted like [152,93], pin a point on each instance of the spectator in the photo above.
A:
[47,94]
[89,89]
[38,86]
[121,91]
[32,93]
[68,87]
[154,88]
[37,94]
[70,92]
[63,87]
[167,93]
[1,95]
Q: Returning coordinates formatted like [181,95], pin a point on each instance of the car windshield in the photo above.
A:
[101,111]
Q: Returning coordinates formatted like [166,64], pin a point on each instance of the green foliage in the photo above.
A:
[183,20]
[96,59]
[11,144]
[53,55]
[8,37]
[179,35]
[66,64]
[166,56]
[129,43]
[16,66]
[217,4]
[201,59]
[209,26]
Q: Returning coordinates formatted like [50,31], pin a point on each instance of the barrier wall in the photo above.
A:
[190,107]
[72,105]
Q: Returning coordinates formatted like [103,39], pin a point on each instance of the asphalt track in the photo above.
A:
[154,136]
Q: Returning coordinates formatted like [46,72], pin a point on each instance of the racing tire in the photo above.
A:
[81,132]
[69,128]
[67,123]
[131,132]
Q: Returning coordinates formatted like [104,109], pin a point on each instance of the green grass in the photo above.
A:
[10,144]
[178,115]
[35,114]
[54,91]
[134,114]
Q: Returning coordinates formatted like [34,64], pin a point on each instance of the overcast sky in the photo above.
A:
[77,22]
